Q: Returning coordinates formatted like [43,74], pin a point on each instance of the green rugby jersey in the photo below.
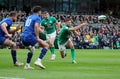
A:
[49,24]
[64,34]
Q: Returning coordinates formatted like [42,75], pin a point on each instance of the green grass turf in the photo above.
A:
[92,64]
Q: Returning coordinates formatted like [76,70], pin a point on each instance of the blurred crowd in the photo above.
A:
[98,34]
[20,18]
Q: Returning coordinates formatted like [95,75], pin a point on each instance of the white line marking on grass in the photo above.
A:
[10,78]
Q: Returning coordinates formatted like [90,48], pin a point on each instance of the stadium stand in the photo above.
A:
[99,33]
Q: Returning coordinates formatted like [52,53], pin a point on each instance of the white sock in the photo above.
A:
[53,54]
[27,64]
[39,59]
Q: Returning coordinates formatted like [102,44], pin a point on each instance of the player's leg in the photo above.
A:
[51,39]
[29,41]
[45,46]
[62,49]
[29,57]
[70,44]
[52,48]
[8,42]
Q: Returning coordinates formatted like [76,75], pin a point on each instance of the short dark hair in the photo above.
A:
[36,9]
[45,12]
[67,19]
[13,13]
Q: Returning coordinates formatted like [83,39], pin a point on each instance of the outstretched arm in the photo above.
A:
[77,27]
[76,33]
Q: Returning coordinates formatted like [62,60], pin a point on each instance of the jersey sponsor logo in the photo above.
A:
[50,22]
[49,25]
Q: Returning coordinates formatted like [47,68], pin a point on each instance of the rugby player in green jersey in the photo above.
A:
[51,26]
[64,38]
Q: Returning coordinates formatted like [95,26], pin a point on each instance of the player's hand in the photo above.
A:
[18,27]
[85,24]
[41,30]
[9,35]
[58,32]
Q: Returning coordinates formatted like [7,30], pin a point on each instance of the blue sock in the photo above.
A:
[13,53]
[29,57]
[43,52]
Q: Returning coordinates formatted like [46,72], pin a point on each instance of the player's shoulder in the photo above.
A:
[71,26]
[64,27]
[43,19]
[52,17]
[7,20]
[35,17]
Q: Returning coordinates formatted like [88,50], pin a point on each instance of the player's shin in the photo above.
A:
[29,57]
[62,54]
[13,53]
[52,49]
[73,54]
[43,52]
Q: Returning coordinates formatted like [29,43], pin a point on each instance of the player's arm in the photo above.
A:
[3,27]
[77,27]
[37,29]
[57,26]
[41,29]
[76,33]
[15,30]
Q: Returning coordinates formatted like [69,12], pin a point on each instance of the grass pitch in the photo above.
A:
[92,64]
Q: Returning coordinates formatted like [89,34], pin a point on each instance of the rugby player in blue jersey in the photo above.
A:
[6,33]
[30,36]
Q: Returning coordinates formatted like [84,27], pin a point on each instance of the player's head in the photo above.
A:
[13,15]
[46,14]
[36,9]
[68,21]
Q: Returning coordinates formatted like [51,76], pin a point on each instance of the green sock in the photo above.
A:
[73,54]
[52,49]
[117,44]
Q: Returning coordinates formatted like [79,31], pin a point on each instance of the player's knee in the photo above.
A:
[31,49]
[72,47]
[13,45]
[51,45]
[46,46]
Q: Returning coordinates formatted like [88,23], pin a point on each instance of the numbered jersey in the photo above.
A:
[30,23]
